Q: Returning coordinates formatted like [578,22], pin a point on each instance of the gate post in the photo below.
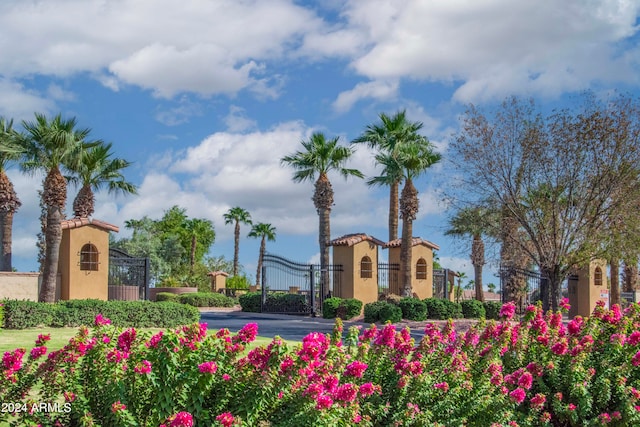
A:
[263,279]
[312,288]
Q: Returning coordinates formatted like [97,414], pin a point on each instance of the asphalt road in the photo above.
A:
[288,327]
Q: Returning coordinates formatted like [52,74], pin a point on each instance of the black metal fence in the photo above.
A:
[297,288]
[440,283]
[127,270]
[389,279]
[520,286]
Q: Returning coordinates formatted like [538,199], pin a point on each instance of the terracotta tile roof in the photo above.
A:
[352,239]
[218,273]
[81,222]
[415,241]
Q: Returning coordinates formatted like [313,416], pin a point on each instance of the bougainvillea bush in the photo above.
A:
[535,372]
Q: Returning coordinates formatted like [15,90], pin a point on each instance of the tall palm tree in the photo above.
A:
[9,202]
[236,216]
[318,157]
[385,136]
[93,169]
[48,145]
[414,158]
[472,222]
[264,232]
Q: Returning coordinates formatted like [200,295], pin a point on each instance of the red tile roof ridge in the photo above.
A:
[414,242]
[354,238]
[81,222]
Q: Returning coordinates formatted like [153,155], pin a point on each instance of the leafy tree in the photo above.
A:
[264,232]
[318,157]
[9,201]
[385,136]
[556,176]
[237,215]
[491,287]
[414,158]
[49,145]
[93,169]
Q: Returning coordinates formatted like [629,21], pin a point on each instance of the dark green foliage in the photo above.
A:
[472,309]
[443,309]
[206,299]
[492,310]
[251,302]
[286,303]
[140,314]
[330,307]
[343,308]
[167,296]
[390,313]
[1,314]
[353,307]
[382,311]
[413,309]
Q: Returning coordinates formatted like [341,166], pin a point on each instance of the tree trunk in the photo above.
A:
[6,222]
[236,248]
[260,258]
[630,275]
[477,259]
[409,210]
[53,239]
[550,287]
[323,200]
[393,211]
[614,296]
[83,204]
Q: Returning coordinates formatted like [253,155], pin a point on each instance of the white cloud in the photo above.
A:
[179,114]
[237,120]
[378,90]
[18,102]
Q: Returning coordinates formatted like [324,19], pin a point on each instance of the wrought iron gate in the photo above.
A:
[389,279]
[127,272]
[296,288]
[520,286]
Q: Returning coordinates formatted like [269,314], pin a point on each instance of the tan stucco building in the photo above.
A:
[421,265]
[84,259]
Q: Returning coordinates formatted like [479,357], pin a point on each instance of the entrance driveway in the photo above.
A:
[288,327]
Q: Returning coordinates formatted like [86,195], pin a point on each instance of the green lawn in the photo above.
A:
[10,339]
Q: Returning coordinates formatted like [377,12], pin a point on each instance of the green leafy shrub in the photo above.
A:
[29,314]
[382,311]
[170,282]
[353,307]
[1,314]
[492,310]
[413,309]
[372,311]
[167,296]
[207,299]
[281,302]
[237,282]
[453,310]
[472,309]
[435,308]
[330,307]
[251,302]
[390,313]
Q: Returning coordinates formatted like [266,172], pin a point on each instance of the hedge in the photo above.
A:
[207,299]
[139,314]
[382,311]
[167,296]
[492,310]
[343,308]
[413,309]
[443,309]
[473,309]
[251,302]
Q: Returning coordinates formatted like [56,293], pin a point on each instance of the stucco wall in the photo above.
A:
[84,284]
[423,288]
[22,286]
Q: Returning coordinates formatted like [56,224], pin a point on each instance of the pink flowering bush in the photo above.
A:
[540,371]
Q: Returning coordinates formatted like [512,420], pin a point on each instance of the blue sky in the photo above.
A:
[206,96]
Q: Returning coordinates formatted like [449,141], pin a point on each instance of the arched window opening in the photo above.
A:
[89,258]
[366,268]
[597,277]
[421,269]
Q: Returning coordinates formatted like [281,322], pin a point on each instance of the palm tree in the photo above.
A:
[472,222]
[9,202]
[385,136]
[414,158]
[236,216]
[320,156]
[264,232]
[94,169]
[48,145]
